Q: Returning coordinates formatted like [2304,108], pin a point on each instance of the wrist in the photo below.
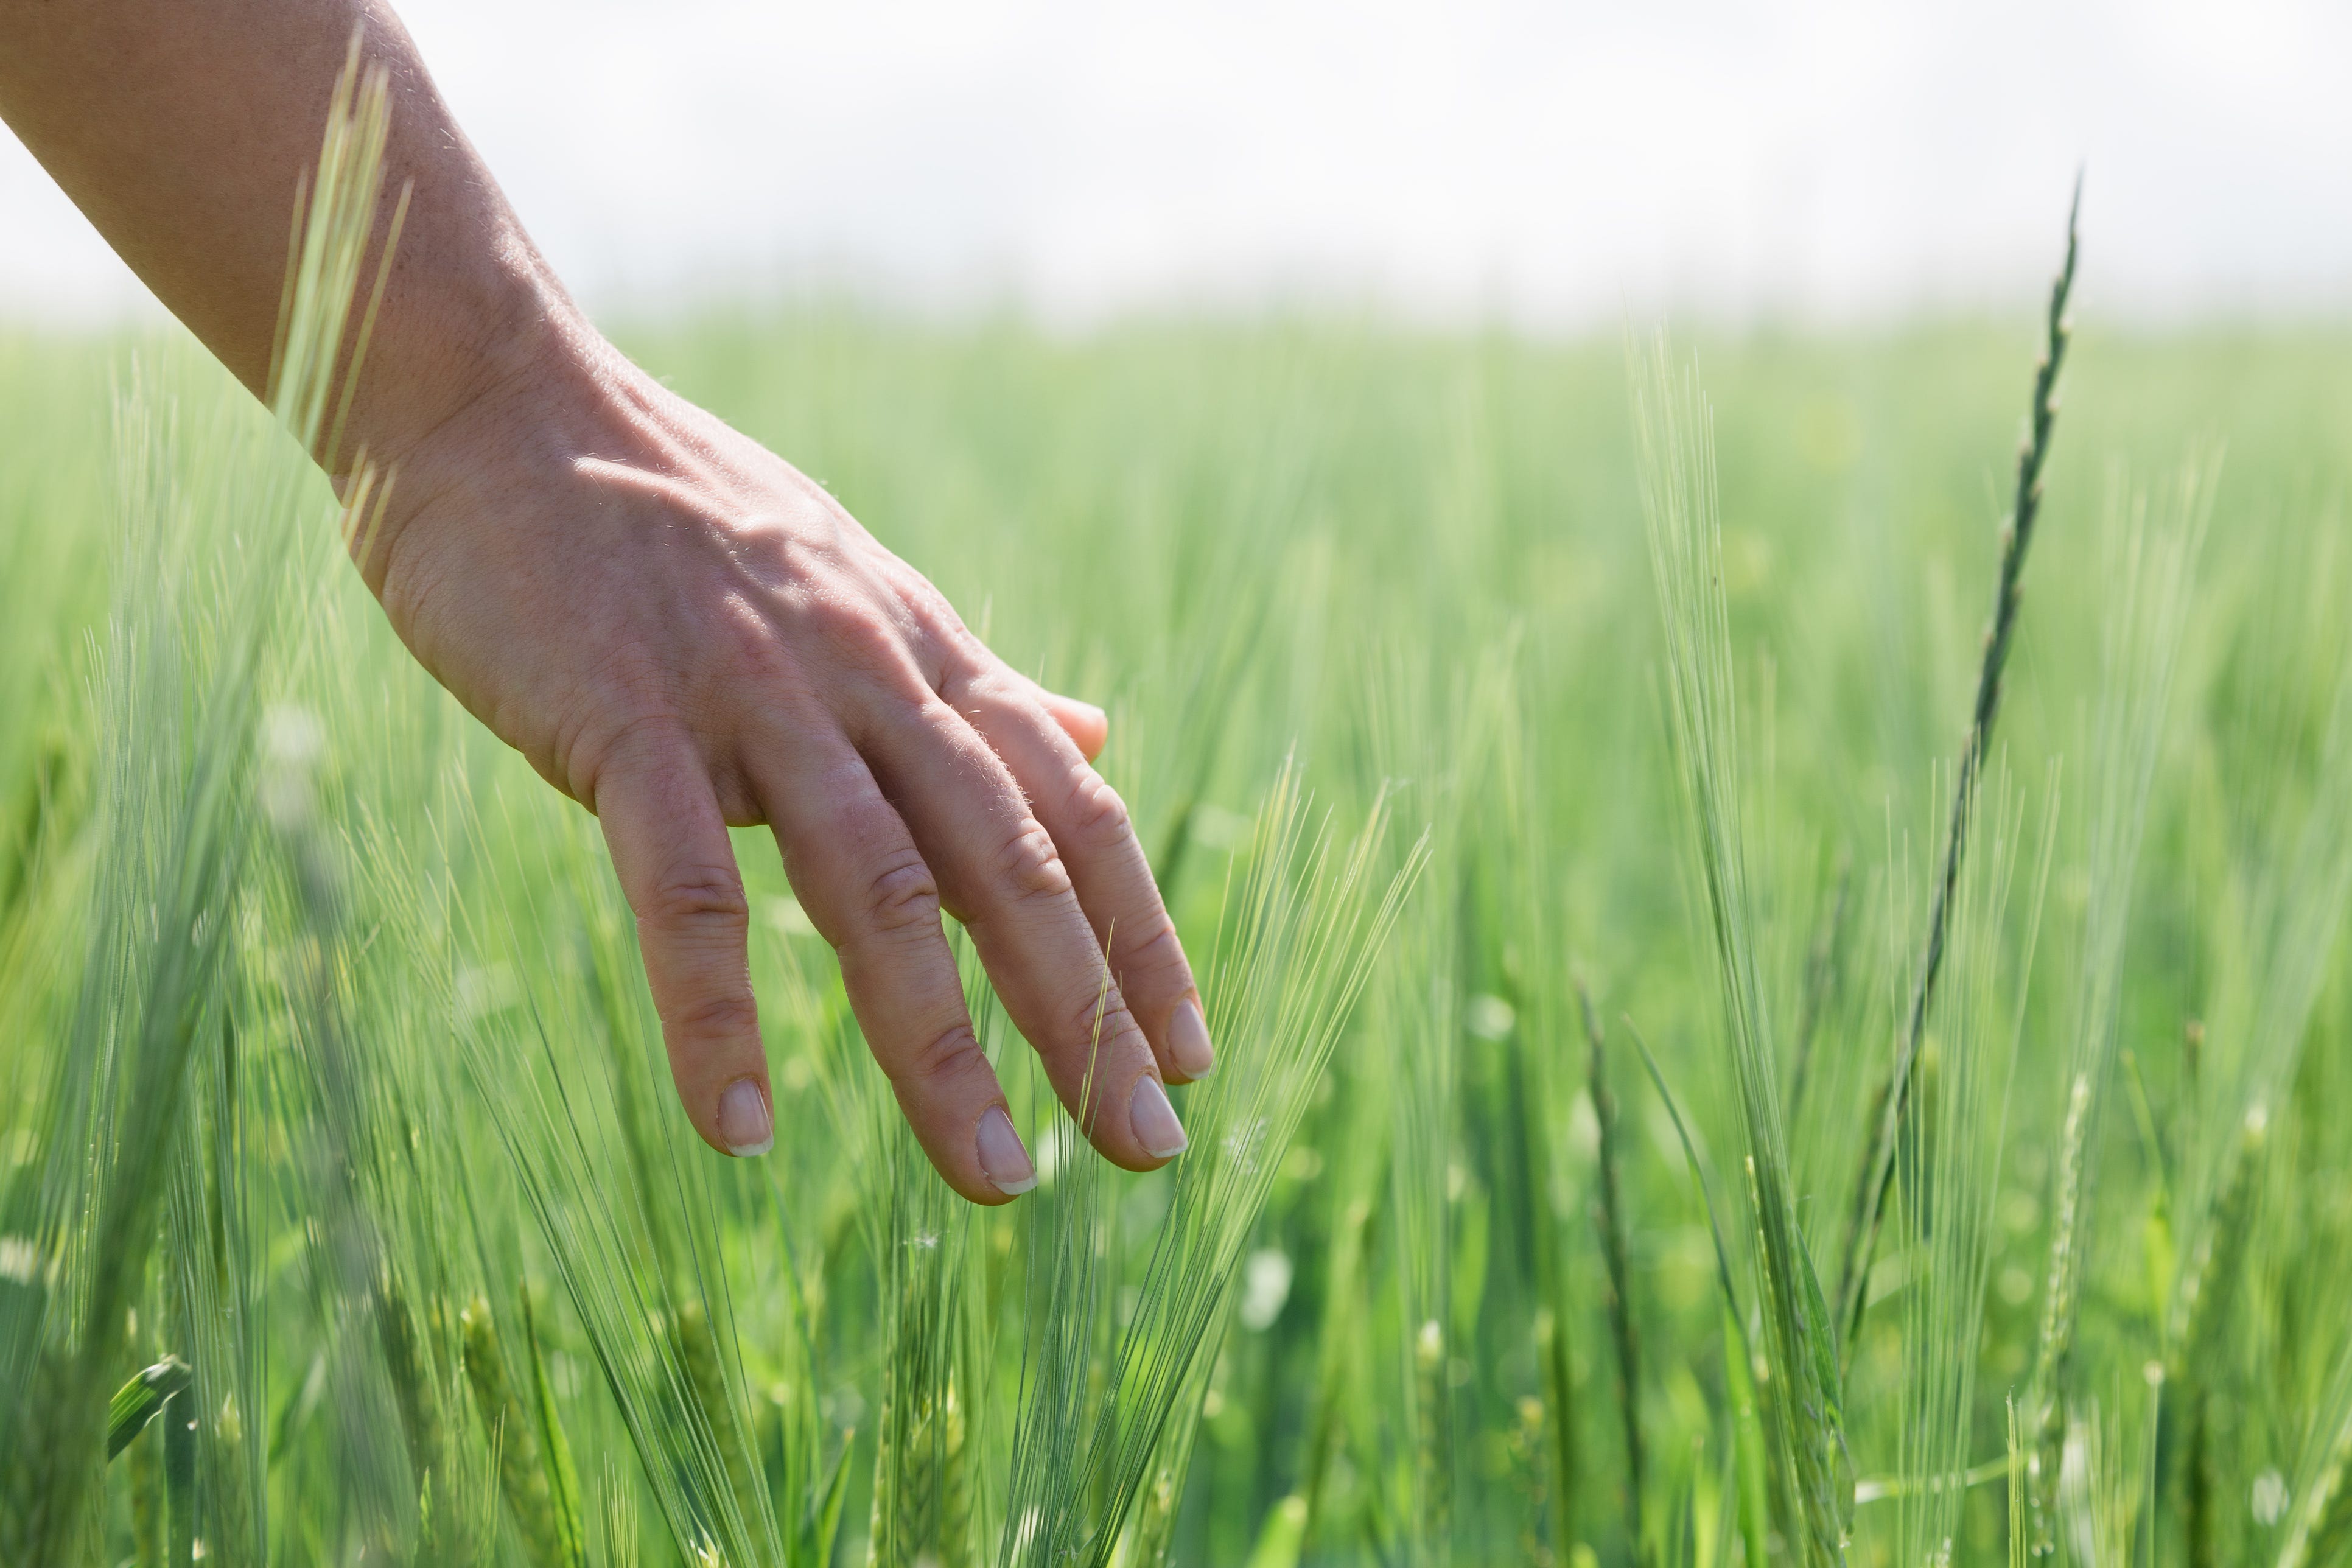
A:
[453,346]
[518,380]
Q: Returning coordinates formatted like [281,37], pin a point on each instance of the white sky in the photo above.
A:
[1560,164]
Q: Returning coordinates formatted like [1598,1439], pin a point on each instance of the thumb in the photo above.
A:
[676,868]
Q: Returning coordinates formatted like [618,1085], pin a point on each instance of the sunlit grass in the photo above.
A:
[1444,673]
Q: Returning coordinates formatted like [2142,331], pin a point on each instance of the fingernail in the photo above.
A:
[1188,1041]
[1002,1155]
[1154,1120]
[745,1125]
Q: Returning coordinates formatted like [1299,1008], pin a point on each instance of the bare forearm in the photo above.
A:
[183,132]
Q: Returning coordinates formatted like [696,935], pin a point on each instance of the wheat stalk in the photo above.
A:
[1619,1299]
[1869,1204]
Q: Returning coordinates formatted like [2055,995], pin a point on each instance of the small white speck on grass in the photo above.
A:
[2270,1498]
[1491,1017]
[1265,1286]
[19,1259]
[1243,1145]
[292,742]
[292,734]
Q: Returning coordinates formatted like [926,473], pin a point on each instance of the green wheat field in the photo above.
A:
[1551,752]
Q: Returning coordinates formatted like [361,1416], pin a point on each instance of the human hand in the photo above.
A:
[677,629]
[682,632]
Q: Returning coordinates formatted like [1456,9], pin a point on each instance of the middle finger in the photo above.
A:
[1002,876]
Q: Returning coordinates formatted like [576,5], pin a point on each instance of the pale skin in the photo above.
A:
[676,627]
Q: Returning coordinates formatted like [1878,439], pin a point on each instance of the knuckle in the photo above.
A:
[901,894]
[1099,1022]
[937,616]
[731,1015]
[1150,948]
[967,683]
[856,634]
[1098,816]
[947,1058]
[698,899]
[628,725]
[964,660]
[1029,867]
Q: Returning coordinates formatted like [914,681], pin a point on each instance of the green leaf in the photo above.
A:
[136,1402]
[1746,1445]
[562,1478]
[180,1477]
[1285,1533]
[823,1524]
[1698,1174]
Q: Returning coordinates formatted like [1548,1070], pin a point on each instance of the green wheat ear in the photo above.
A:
[2148,555]
[1803,1408]
[1618,1293]
[537,1490]
[415,1390]
[706,1376]
[1869,1204]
